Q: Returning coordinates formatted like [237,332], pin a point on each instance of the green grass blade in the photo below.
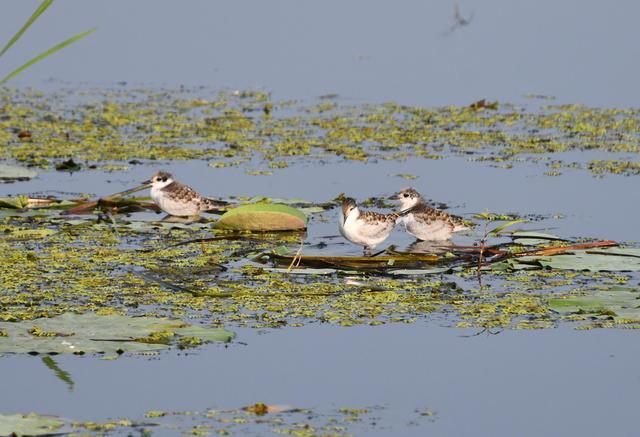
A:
[40,57]
[43,7]
[501,228]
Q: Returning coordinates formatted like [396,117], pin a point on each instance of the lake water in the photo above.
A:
[579,51]
[557,381]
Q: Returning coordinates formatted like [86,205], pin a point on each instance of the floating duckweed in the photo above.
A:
[43,129]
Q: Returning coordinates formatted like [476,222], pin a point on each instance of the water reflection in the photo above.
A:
[434,247]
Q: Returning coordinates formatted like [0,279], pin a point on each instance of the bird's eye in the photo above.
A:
[406,194]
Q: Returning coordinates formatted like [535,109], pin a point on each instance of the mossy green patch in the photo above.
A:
[117,268]
[89,125]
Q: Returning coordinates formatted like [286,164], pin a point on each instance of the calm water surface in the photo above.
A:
[557,381]
[551,382]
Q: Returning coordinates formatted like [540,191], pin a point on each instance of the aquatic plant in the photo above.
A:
[32,19]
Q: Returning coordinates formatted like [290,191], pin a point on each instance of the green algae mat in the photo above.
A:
[107,262]
[84,128]
[111,268]
[92,333]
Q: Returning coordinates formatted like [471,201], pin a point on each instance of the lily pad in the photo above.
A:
[92,333]
[17,202]
[263,217]
[16,173]
[28,424]
[603,260]
[533,238]
[621,303]
[610,259]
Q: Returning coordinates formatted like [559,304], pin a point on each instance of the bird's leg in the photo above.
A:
[367,251]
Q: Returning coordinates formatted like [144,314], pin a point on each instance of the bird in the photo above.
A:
[425,222]
[177,199]
[365,228]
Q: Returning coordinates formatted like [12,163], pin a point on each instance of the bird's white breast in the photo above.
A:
[172,206]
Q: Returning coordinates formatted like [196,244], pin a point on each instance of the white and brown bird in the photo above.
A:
[424,221]
[365,228]
[177,199]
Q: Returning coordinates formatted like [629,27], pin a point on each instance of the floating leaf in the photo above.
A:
[18,202]
[16,173]
[621,303]
[616,260]
[28,424]
[361,263]
[92,333]
[312,210]
[533,238]
[263,217]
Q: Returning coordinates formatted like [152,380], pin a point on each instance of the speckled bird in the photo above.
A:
[424,221]
[177,199]
[365,228]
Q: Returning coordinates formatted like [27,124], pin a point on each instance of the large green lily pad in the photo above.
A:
[621,303]
[16,173]
[28,424]
[263,217]
[613,259]
[92,333]
[609,260]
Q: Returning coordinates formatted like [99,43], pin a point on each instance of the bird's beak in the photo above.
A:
[393,196]
[405,211]
[147,182]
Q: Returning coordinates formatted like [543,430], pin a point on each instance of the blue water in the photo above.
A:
[526,383]
[581,51]
[551,382]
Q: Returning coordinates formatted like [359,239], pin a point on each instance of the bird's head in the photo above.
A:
[349,206]
[408,197]
[160,180]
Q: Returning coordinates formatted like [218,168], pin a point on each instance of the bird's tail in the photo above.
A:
[209,204]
